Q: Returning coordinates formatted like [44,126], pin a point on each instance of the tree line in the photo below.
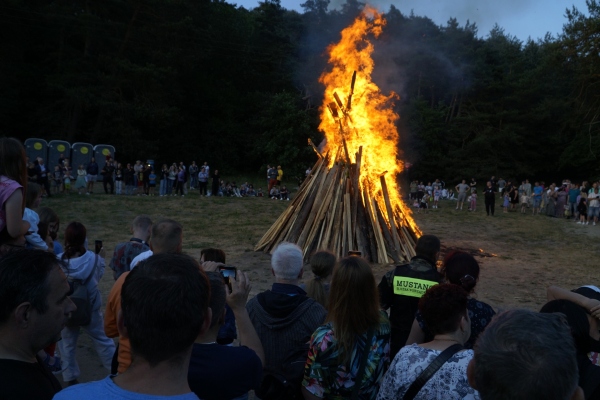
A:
[208,80]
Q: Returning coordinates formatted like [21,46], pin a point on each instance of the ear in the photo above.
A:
[206,323]
[22,314]
[471,373]
[121,325]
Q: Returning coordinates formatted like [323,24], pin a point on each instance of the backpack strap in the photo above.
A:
[363,364]
[428,372]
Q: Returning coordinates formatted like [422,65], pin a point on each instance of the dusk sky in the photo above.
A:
[521,18]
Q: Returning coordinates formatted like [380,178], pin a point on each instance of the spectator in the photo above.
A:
[166,238]
[356,334]
[594,205]
[33,200]
[461,188]
[51,220]
[193,172]
[537,198]
[321,265]
[35,307]
[401,288]
[129,177]
[164,177]
[92,175]
[215,183]
[168,296]
[203,181]
[489,197]
[125,252]
[284,194]
[107,177]
[284,317]
[444,309]
[573,193]
[525,355]
[83,265]
[42,175]
[219,372]
[279,175]
[460,269]
[272,176]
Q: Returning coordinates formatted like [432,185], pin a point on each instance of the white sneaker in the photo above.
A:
[587,222]
[579,222]
[594,223]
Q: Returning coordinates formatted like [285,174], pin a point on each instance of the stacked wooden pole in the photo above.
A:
[331,212]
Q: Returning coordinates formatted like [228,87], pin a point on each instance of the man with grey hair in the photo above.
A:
[284,317]
[525,355]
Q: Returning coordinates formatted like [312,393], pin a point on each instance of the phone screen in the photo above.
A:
[228,274]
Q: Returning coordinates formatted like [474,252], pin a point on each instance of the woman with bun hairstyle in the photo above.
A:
[321,265]
[460,269]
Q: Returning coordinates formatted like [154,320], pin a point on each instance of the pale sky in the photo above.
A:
[520,18]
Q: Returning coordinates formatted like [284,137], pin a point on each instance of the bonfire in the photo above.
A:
[351,201]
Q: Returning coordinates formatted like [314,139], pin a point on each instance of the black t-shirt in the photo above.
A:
[220,372]
[21,380]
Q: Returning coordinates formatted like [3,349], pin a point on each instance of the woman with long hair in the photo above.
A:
[444,309]
[13,180]
[85,266]
[460,269]
[321,265]
[350,353]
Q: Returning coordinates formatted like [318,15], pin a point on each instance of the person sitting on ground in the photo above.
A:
[164,309]
[357,334]
[525,355]
[284,317]
[460,269]
[167,237]
[321,265]
[274,193]
[219,372]
[284,194]
[401,288]
[125,252]
[444,309]
[34,306]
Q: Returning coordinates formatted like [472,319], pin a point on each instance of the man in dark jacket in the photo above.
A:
[401,288]
[107,176]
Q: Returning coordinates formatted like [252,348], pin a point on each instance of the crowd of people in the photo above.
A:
[187,329]
[143,179]
[577,201]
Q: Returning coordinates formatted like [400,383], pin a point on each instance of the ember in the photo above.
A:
[352,200]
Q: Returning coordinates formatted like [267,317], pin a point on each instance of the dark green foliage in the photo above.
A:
[209,81]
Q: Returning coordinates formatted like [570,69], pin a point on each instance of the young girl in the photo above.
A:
[582,210]
[80,183]
[473,203]
[13,175]
[68,176]
[33,200]
[57,177]
[49,218]
[524,202]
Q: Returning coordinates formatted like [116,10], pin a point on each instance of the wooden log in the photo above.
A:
[361,229]
[387,235]
[327,241]
[377,229]
[390,213]
[348,218]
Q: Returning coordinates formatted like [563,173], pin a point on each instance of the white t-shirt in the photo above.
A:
[140,257]
[593,199]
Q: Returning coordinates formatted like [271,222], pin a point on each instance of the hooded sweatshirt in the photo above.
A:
[282,322]
[80,268]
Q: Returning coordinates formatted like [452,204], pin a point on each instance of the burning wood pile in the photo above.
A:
[351,200]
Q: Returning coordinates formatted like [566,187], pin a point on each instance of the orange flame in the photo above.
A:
[370,120]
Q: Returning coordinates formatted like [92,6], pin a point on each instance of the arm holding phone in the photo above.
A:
[236,299]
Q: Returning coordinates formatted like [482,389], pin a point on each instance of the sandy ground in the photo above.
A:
[520,256]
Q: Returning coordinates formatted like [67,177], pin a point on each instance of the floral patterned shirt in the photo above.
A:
[448,383]
[324,377]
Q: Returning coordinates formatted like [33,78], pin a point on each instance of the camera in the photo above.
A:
[228,272]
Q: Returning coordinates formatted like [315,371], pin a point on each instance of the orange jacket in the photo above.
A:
[113,307]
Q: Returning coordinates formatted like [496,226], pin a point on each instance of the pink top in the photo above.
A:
[7,188]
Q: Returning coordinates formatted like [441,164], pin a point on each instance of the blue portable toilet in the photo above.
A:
[35,148]
[101,151]
[55,149]
[81,153]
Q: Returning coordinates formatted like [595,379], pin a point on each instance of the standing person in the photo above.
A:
[175,314]
[215,183]
[413,190]
[180,180]
[107,177]
[92,174]
[272,175]
[193,172]
[501,185]
[13,177]
[514,196]
[206,168]
[321,265]
[80,183]
[151,182]
[397,293]
[473,185]
[582,210]
[138,168]
[128,176]
[119,178]
[164,177]
[67,176]
[561,201]
[146,178]
[88,267]
[279,175]
[473,202]
[125,252]
[461,188]
[172,182]
[537,198]
[35,306]
[42,176]
[573,193]
[355,328]
[489,197]
[593,205]
[203,181]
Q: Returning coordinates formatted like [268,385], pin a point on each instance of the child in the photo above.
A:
[524,202]
[67,176]
[437,192]
[119,179]
[506,203]
[81,183]
[57,179]
[33,200]
[423,204]
[259,193]
[49,218]
[284,194]
[473,203]
[274,193]
[13,175]
[152,182]
[582,210]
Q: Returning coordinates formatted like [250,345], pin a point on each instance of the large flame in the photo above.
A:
[370,121]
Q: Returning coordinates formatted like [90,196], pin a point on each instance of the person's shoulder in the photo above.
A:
[96,389]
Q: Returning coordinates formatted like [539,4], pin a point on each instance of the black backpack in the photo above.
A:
[286,383]
[80,295]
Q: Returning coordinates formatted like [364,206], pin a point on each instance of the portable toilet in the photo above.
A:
[55,149]
[101,151]
[35,148]
[81,153]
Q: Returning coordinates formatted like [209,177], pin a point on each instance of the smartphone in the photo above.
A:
[228,272]
[98,246]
